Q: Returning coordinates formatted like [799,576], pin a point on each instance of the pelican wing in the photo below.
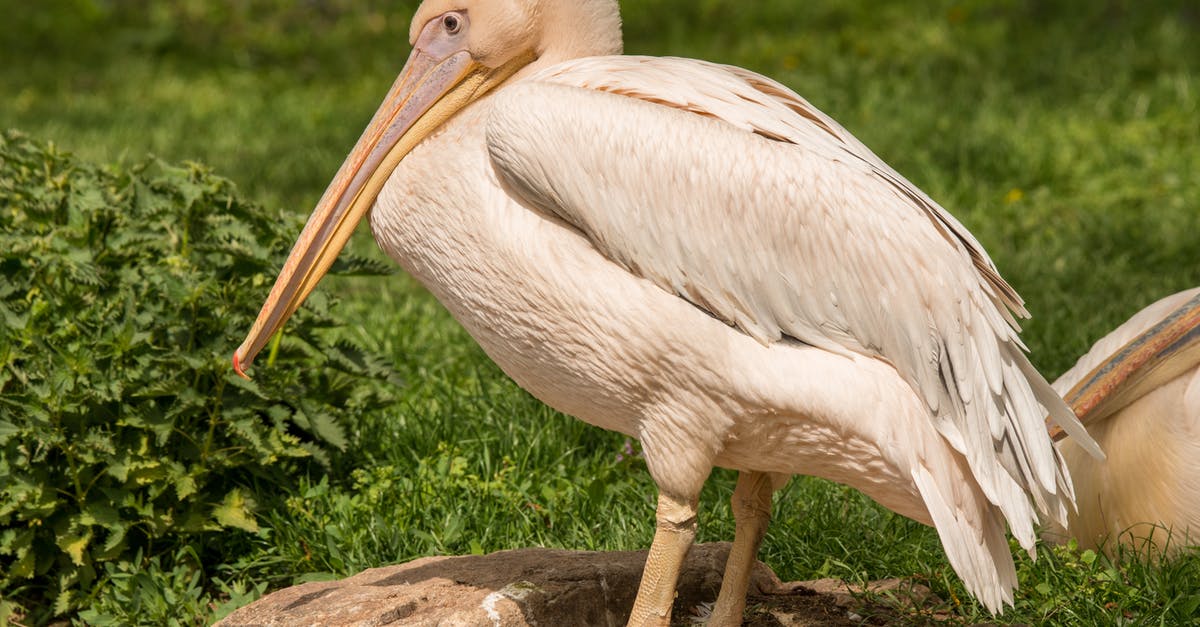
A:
[731,191]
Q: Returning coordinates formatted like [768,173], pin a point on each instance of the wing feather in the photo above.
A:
[731,191]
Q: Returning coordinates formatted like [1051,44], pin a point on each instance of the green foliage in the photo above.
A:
[145,592]
[123,431]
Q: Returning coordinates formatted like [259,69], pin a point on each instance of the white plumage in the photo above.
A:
[694,255]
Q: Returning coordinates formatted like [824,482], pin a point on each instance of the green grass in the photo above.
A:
[1063,134]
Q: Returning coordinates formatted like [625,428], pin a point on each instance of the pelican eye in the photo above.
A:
[452,23]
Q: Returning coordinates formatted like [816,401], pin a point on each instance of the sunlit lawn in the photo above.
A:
[1065,135]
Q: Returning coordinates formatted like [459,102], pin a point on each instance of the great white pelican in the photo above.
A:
[694,255]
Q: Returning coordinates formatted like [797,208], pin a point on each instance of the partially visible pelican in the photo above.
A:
[694,255]
[1138,392]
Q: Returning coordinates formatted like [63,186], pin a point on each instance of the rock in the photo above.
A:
[544,587]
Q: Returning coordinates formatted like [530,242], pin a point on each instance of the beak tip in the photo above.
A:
[237,365]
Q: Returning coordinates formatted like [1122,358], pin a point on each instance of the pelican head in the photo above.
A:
[461,50]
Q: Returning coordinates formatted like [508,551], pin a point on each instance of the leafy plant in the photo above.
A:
[124,434]
[144,592]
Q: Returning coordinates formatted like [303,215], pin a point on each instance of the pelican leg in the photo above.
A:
[751,513]
[676,528]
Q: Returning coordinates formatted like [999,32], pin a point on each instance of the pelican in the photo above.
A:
[1138,392]
[694,255]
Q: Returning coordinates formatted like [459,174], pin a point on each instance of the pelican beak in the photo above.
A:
[1149,360]
[430,89]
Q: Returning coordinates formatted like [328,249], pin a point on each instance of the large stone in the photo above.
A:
[544,587]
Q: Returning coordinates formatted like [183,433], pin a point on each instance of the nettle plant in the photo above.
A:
[124,433]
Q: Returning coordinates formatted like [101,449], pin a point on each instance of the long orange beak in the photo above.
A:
[430,89]
[1149,360]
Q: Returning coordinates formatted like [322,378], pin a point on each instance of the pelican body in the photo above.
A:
[694,255]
